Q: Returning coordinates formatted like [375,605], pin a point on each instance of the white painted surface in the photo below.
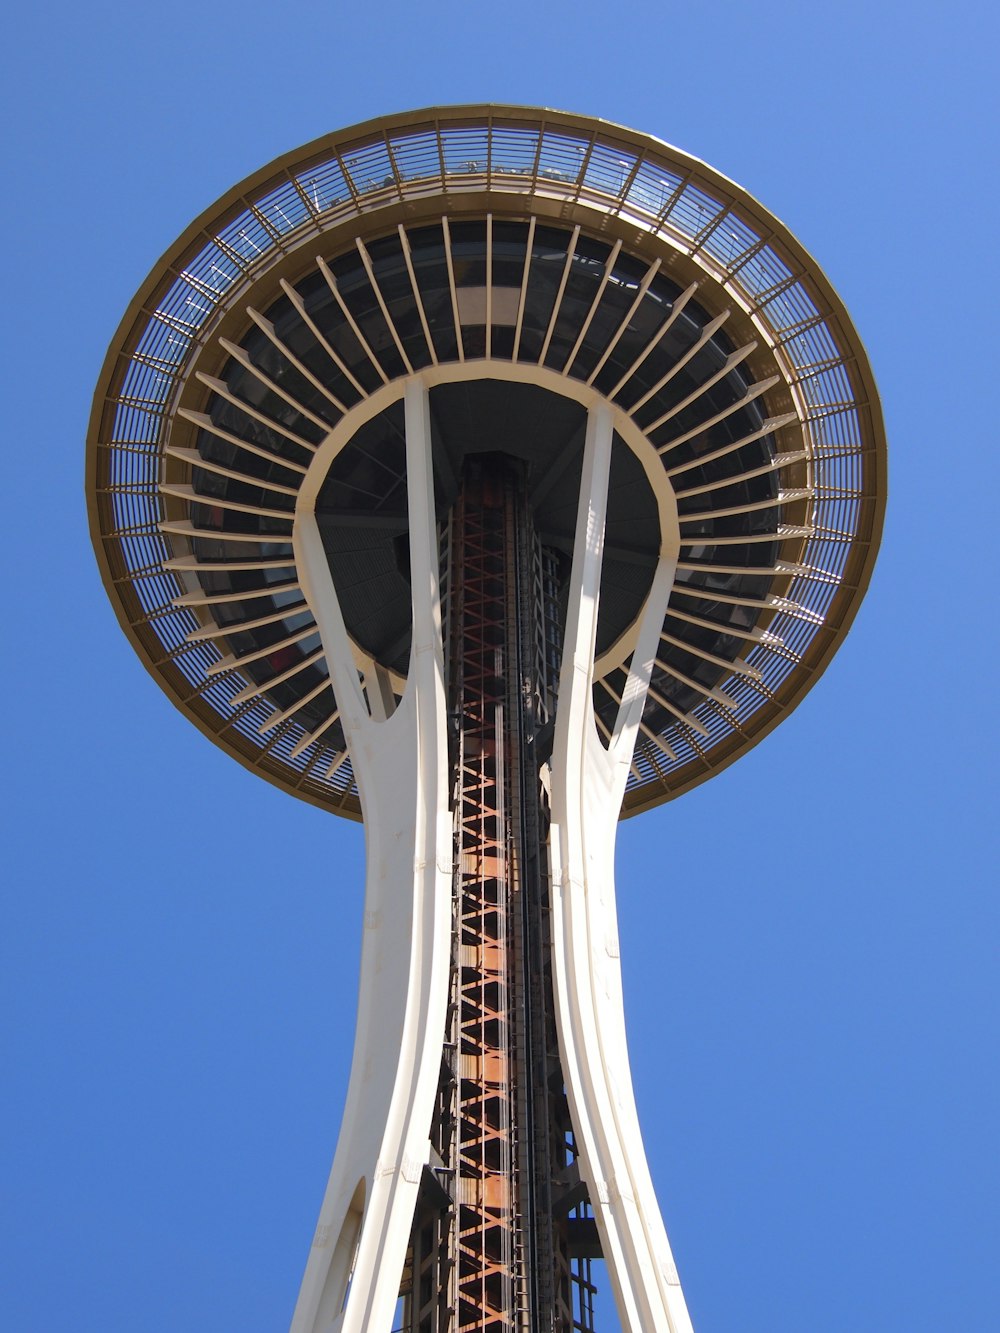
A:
[587,785]
[352,1275]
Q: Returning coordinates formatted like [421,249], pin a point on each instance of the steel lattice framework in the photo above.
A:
[491,473]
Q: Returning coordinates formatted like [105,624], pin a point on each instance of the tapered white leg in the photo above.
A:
[587,786]
[400,761]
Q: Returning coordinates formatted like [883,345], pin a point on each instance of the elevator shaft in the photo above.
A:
[495,1244]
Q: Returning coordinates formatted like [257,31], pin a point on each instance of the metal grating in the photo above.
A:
[550,160]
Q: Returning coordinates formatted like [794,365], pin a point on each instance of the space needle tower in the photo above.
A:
[489,474]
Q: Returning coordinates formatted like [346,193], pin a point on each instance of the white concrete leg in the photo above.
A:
[400,761]
[587,786]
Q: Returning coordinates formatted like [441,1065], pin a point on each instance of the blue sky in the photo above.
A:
[809,940]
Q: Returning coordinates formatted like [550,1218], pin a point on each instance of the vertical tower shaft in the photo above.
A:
[500,1159]
[501,1128]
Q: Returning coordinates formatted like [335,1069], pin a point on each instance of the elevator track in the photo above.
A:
[502,1239]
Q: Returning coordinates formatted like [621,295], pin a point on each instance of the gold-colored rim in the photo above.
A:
[470,162]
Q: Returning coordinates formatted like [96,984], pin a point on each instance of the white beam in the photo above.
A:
[400,765]
[587,783]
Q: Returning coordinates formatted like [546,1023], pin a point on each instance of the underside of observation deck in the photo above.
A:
[530,244]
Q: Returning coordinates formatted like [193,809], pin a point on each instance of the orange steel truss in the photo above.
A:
[502,1239]
[488,1258]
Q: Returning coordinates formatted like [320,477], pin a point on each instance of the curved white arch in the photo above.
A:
[587,783]
[511,372]
[400,759]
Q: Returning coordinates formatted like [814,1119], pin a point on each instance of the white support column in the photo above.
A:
[400,762]
[587,786]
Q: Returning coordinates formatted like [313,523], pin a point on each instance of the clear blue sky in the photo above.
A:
[810,940]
